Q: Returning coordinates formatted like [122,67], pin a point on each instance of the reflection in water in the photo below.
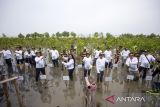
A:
[45,95]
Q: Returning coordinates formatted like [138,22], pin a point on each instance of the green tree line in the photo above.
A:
[65,39]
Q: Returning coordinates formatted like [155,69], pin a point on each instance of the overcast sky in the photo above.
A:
[81,16]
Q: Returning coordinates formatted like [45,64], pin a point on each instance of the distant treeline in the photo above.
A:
[66,39]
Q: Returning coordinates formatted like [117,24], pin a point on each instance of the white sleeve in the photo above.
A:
[19,52]
[128,61]
[91,61]
[83,60]
[152,59]
[57,53]
[97,67]
[140,59]
[111,53]
[122,53]
[69,63]
[37,59]
[9,52]
[135,61]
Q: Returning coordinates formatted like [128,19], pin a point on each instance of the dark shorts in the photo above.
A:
[8,61]
[19,61]
[28,60]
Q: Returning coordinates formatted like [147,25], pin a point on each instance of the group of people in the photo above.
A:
[138,64]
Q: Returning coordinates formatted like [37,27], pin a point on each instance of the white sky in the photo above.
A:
[80,16]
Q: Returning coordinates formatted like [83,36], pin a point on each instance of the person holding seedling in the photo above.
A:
[55,56]
[70,65]
[87,61]
[100,67]
[145,61]
[124,54]
[96,55]
[19,57]
[132,64]
[108,57]
[40,65]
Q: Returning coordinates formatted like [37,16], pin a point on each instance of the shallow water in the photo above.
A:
[57,92]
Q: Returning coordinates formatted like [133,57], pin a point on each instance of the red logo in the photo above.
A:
[110,99]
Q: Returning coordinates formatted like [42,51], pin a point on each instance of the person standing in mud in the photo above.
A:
[100,67]
[70,65]
[28,57]
[116,57]
[108,57]
[145,62]
[73,50]
[157,63]
[64,57]
[87,61]
[96,55]
[8,59]
[156,75]
[124,55]
[55,56]
[83,54]
[132,64]
[19,57]
[40,65]
[33,55]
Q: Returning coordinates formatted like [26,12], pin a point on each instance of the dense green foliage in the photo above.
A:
[133,42]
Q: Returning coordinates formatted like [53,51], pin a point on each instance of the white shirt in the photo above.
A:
[132,64]
[70,64]
[125,53]
[39,62]
[33,52]
[19,54]
[100,65]
[27,55]
[7,54]
[87,62]
[144,61]
[54,54]
[97,52]
[108,55]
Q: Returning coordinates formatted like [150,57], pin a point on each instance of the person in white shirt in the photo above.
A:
[132,64]
[33,54]
[28,56]
[145,61]
[96,55]
[40,65]
[19,55]
[70,65]
[55,56]
[100,67]
[124,55]
[108,57]
[87,64]
[7,56]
